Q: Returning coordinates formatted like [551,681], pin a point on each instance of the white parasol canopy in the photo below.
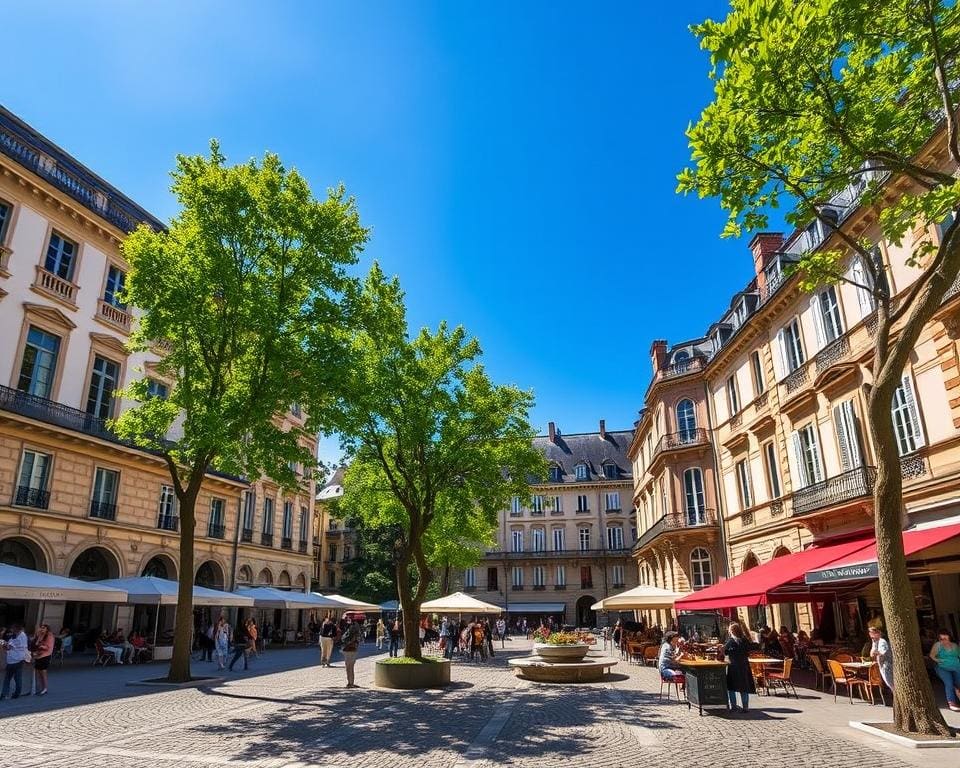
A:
[350,604]
[24,584]
[638,599]
[150,590]
[270,597]
[460,602]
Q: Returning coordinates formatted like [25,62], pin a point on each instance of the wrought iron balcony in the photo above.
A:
[103,510]
[848,486]
[834,352]
[539,587]
[246,535]
[687,438]
[682,368]
[216,531]
[266,539]
[517,587]
[168,523]
[286,542]
[559,587]
[38,498]
[557,553]
[796,379]
[677,521]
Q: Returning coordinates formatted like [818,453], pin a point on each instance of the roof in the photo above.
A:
[590,448]
[334,486]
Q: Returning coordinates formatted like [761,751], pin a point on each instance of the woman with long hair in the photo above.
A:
[739,676]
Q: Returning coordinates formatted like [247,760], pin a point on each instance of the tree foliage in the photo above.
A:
[437,448]
[248,292]
[821,102]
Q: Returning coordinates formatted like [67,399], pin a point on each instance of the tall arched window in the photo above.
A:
[701,569]
[686,420]
[693,496]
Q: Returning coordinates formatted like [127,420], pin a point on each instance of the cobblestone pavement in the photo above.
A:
[288,712]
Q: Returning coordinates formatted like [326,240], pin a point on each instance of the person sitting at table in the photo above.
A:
[110,645]
[881,654]
[139,645]
[787,643]
[770,643]
[739,674]
[66,641]
[669,656]
[946,655]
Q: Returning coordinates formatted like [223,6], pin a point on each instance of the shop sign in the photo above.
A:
[858,572]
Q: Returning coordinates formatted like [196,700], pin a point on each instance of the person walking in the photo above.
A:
[946,655]
[739,674]
[328,634]
[396,632]
[253,637]
[222,642]
[350,642]
[18,653]
[880,652]
[42,644]
[381,633]
[241,639]
[488,636]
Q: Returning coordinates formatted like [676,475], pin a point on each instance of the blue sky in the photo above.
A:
[515,161]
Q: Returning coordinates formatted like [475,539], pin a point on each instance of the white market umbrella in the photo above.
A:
[639,599]
[24,584]
[150,590]
[270,597]
[460,602]
[350,604]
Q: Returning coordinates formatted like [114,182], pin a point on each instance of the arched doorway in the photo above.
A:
[209,575]
[22,553]
[301,583]
[88,620]
[160,567]
[95,564]
[586,617]
[265,578]
[284,580]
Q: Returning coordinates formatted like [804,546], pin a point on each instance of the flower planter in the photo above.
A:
[430,674]
[560,654]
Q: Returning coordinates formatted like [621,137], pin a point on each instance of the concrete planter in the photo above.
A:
[430,674]
[558,654]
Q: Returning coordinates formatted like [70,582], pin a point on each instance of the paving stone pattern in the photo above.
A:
[287,712]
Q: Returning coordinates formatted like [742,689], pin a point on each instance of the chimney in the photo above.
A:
[603,429]
[552,430]
[763,246]
[658,354]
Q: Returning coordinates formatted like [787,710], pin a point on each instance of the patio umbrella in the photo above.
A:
[639,599]
[460,602]
[24,584]
[270,597]
[350,604]
[150,590]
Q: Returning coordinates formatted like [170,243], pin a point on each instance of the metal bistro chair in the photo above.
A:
[820,671]
[851,681]
[679,681]
[782,679]
[650,655]
[103,657]
[875,681]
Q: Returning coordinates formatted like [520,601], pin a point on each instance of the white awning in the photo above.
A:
[149,590]
[351,605]
[271,597]
[24,584]
[459,602]
[639,599]
[522,608]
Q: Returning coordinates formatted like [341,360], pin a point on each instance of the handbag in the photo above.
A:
[27,657]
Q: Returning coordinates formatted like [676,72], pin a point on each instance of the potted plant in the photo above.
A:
[559,647]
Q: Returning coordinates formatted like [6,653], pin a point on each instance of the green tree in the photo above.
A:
[435,445]
[817,100]
[247,289]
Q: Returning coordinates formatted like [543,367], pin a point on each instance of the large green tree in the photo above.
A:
[247,291]
[436,448]
[817,100]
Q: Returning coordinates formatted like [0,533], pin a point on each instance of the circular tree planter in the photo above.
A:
[427,674]
[559,654]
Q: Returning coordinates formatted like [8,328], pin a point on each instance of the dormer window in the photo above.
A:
[556,474]
[582,471]
[681,360]
[610,471]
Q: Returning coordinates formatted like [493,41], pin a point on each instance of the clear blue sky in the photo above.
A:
[515,161]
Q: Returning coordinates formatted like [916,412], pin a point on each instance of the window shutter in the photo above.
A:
[780,359]
[864,296]
[853,434]
[840,426]
[798,459]
[817,311]
[817,463]
[911,401]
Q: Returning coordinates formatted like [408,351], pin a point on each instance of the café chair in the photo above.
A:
[850,680]
[650,655]
[679,681]
[875,681]
[782,679]
[822,674]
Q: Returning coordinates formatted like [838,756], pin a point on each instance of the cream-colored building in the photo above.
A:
[334,540]
[570,546]
[74,499]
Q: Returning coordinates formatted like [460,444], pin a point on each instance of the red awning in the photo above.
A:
[756,586]
[857,566]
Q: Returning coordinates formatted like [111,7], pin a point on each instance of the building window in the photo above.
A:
[104,380]
[538,577]
[826,318]
[61,257]
[686,420]
[906,418]
[536,505]
[614,538]
[5,215]
[492,580]
[34,476]
[103,504]
[584,539]
[848,435]
[613,501]
[743,484]
[556,474]
[287,527]
[663,497]
[303,525]
[700,568]
[515,508]
[586,577]
[558,540]
[332,579]
[557,503]
[733,396]
[561,576]
[806,448]
[470,578]
[267,515]
[864,284]
[249,510]
[217,518]
[39,363]
[618,580]
[582,505]
[517,577]
[156,388]
[517,537]
[759,385]
[610,471]
[332,553]
[693,496]
[167,517]
[581,471]
[347,552]
[295,410]
[539,540]
[773,472]
[114,287]
[791,346]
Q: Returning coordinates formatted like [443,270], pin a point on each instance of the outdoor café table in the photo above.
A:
[857,667]
[763,662]
[706,683]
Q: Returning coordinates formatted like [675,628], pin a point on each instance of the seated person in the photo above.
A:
[66,640]
[111,646]
[669,655]
[787,643]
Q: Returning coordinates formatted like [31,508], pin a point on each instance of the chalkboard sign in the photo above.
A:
[706,686]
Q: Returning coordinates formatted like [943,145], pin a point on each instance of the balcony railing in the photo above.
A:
[677,521]
[215,531]
[38,498]
[557,553]
[559,587]
[682,368]
[302,546]
[834,352]
[539,587]
[847,486]
[796,379]
[286,542]
[168,523]
[517,587]
[56,286]
[103,510]
[266,539]
[116,316]
[246,535]
[673,441]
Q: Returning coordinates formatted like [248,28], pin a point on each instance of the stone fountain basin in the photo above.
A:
[561,654]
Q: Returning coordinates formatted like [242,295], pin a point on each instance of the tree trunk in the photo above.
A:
[914,707]
[183,627]
[410,608]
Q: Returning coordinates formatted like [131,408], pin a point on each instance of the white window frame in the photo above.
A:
[790,343]
[167,509]
[686,412]
[516,540]
[614,537]
[694,506]
[536,504]
[863,281]
[561,576]
[701,568]
[582,471]
[583,503]
[806,446]
[538,539]
[733,396]
[905,412]
[35,482]
[744,486]
[618,576]
[827,317]
[583,538]
[772,466]
[848,436]
[539,577]
[470,578]
[558,503]
[612,499]
[515,507]
[756,366]
[559,539]
[517,576]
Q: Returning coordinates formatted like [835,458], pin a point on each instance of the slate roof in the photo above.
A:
[589,448]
